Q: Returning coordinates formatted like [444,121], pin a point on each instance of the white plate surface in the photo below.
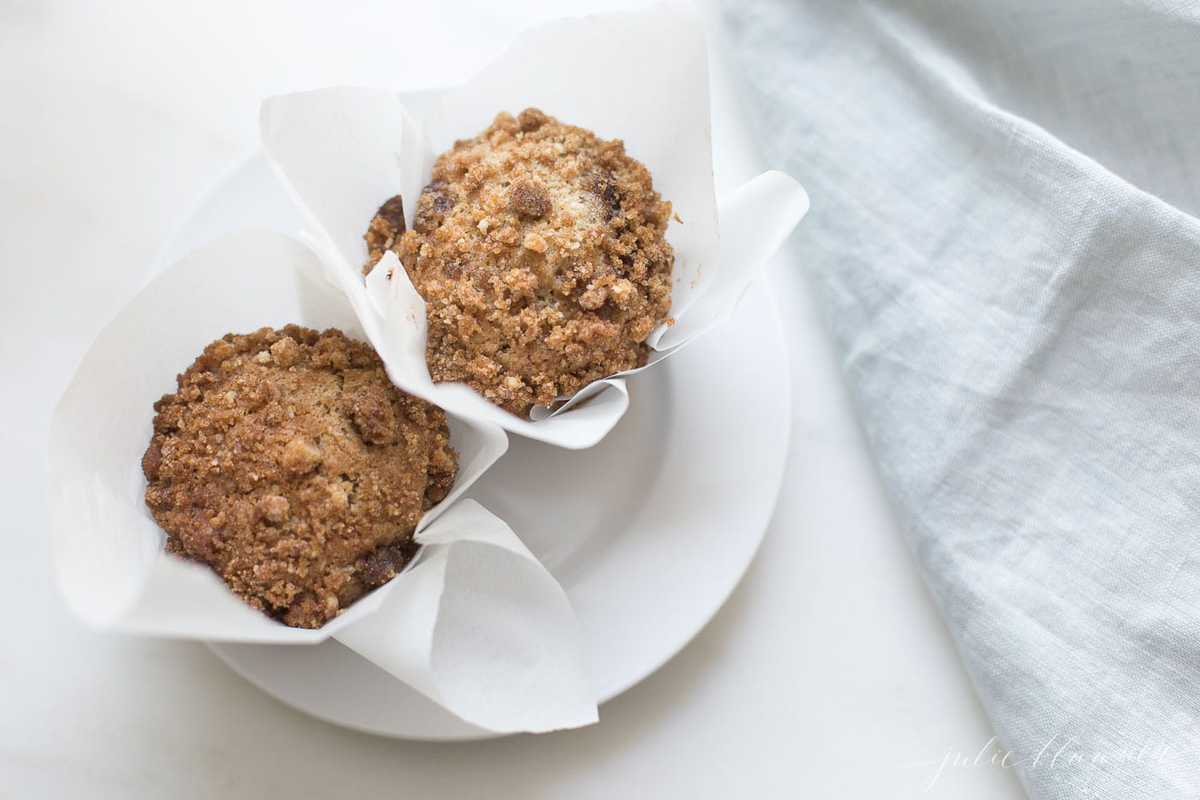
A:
[648,532]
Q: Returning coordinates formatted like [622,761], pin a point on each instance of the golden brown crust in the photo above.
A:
[289,463]
[540,251]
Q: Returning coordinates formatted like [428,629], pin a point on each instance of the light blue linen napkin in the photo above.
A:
[1002,238]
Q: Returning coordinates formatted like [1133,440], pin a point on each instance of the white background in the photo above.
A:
[828,674]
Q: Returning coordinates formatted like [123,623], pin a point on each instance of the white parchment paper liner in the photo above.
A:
[640,77]
[476,623]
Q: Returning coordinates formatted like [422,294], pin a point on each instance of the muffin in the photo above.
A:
[288,463]
[540,251]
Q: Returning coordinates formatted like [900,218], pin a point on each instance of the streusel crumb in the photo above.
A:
[290,464]
[540,251]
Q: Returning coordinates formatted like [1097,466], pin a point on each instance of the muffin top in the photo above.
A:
[290,464]
[540,251]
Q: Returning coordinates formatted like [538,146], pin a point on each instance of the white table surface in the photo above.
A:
[828,674]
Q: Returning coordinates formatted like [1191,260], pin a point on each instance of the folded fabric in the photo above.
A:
[1000,236]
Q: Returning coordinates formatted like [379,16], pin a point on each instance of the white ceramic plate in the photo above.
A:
[648,532]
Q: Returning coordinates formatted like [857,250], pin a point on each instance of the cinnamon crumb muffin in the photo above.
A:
[290,464]
[540,251]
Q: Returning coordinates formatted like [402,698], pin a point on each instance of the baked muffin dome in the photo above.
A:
[540,251]
[290,464]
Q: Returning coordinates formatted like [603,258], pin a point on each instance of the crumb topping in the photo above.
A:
[289,463]
[540,251]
